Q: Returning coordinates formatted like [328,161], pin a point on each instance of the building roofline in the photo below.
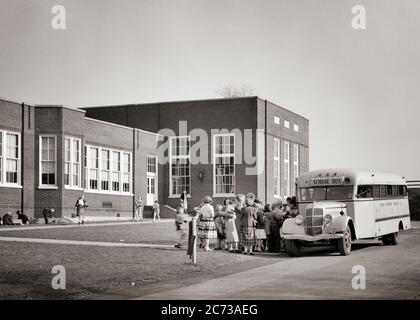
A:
[170,102]
[17,102]
[191,101]
[121,126]
[283,108]
[59,106]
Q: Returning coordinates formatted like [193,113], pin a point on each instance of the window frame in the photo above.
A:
[277,158]
[286,164]
[72,162]
[40,184]
[286,124]
[224,155]
[171,157]
[295,127]
[4,158]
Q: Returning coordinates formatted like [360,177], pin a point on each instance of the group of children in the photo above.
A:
[241,224]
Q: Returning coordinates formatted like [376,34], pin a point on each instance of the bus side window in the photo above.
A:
[376,193]
[401,191]
[389,191]
[395,192]
[364,191]
[382,189]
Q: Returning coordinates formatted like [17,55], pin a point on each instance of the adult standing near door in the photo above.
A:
[139,209]
[80,208]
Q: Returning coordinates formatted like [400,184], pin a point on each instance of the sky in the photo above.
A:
[358,88]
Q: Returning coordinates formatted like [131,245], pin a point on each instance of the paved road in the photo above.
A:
[392,272]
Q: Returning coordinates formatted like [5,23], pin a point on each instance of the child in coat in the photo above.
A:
[219,221]
[181,224]
[156,211]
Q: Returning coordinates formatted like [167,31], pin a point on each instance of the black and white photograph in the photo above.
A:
[226,151]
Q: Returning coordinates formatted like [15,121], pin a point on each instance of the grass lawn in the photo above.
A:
[91,270]
[158,232]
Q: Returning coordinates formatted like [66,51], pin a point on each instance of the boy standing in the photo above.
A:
[181,225]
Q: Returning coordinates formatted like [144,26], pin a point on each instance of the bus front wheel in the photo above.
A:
[292,248]
[344,244]
[390,239]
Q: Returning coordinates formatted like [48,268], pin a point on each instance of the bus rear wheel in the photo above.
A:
[344,244]
[292,248]
[390,239]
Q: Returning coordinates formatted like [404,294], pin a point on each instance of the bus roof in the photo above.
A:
[354,177]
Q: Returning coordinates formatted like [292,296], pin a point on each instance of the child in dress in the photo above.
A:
[248,224]
[260,227]
[207,228]
[181,225]
[156,211]
[219,221]
[231,232]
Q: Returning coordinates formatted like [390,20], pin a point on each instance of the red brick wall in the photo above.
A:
[11,119]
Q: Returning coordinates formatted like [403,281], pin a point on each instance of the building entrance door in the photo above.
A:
[151,180]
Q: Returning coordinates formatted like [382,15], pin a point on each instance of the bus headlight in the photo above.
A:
[327,219]
[299,219]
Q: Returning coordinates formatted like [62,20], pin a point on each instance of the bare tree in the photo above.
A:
[230,91]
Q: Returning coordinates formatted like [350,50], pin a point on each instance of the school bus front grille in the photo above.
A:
[313,221]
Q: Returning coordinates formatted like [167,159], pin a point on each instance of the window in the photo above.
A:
[179,165]
[286,124]
[389,191]
[108,170]
[295,166]
[276,120]
[72,162]
[296,127]
[105,170]
[402,191]
[224,164]
[286,180]
[9,158]
[395,191]
[151,164]
[48,170]
[276,164]
[85,165]
[326,193]
[382,192]
[364,191]
[116,170]
[93,168]
[376,191]
[126,172]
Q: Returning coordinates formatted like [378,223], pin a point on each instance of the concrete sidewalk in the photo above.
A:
[88,243]
[49,226]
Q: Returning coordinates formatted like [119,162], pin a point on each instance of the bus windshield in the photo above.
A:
[326,193]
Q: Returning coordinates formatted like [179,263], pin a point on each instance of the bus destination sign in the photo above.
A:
[327,181]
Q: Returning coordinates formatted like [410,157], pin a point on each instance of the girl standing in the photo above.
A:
[260,227]
[248,224]
[207,228]
[231,233]
[156,211]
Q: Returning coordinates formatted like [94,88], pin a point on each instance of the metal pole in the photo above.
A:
[194,232]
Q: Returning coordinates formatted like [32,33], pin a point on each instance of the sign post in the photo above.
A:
[192,240]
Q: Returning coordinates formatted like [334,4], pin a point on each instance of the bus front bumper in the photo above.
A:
[305,237]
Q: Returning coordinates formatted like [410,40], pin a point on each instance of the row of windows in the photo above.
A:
[286,124]
[9,158]
[381,191]
[288,188]
[107,170]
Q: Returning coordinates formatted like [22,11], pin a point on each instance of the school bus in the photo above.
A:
[339,206]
